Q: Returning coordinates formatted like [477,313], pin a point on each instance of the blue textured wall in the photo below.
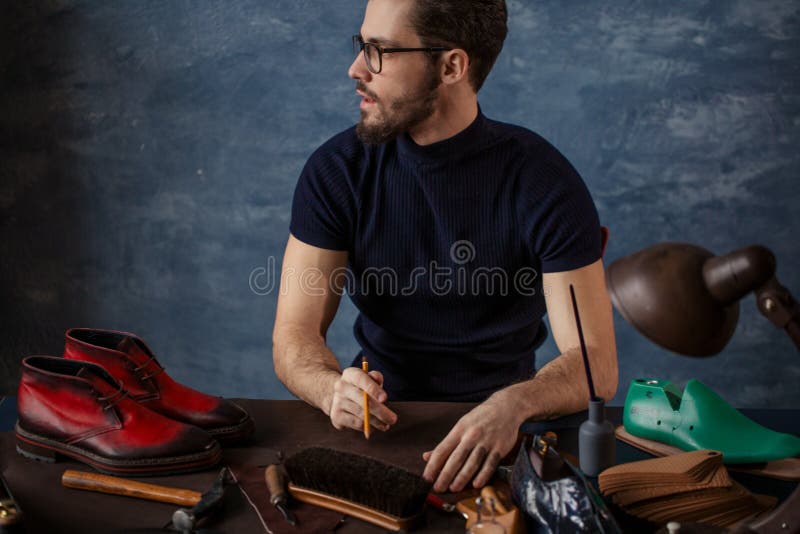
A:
[149,150]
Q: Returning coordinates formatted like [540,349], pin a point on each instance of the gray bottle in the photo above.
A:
[596,442]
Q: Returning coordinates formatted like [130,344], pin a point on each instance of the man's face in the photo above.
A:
[404,93]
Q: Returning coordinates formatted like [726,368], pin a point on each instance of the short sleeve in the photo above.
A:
[557,214]
[321,211]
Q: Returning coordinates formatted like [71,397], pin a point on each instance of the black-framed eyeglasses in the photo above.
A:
[373,53]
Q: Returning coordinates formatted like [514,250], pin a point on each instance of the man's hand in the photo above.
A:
[347,406]
[474,447]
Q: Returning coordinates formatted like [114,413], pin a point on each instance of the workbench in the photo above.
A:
[285,426]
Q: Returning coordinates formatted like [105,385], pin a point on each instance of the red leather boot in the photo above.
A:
[77,409]
[129,359]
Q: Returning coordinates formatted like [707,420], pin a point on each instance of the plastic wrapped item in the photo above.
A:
[562,501]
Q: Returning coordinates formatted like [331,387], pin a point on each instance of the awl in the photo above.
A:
[276,484]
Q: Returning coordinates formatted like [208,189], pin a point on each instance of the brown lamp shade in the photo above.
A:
[662,291]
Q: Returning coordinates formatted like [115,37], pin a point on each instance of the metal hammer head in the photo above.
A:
[185,519]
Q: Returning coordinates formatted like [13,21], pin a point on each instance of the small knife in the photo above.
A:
[276,484]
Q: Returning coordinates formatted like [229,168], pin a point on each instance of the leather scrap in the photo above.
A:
[785,469]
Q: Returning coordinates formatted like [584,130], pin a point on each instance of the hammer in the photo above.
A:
[195,505]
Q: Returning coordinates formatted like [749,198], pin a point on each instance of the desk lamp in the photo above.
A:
[685,299]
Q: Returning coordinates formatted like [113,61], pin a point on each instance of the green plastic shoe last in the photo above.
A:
[700,419]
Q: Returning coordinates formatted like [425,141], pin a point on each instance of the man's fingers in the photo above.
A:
[349,420]
[377,409]
[345,419]
[382,412]
[347,410]
[470,467]
[355,422]
[452,467]
[364,382]
[377,376]
[490,465]
[377,423]
[377,416]
[426,455]
[356,395]
[350,415]
[439,456]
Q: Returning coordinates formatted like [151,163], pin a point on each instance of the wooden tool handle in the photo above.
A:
[275,484]
[487,493]
[358,510]
[129,488]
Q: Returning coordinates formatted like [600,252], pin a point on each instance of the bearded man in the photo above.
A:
[453,235]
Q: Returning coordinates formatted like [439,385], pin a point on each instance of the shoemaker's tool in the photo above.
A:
[364,488]
[596,442]
[365,368]
[545,460]
[506,516]
[698,418]
[185,520]
[276,484]
[466,507]
[10,514]
[196,505]
[490,495]
[439,504]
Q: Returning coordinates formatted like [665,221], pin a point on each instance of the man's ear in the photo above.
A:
[454,66]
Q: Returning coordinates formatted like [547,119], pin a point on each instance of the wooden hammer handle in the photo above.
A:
[129,488]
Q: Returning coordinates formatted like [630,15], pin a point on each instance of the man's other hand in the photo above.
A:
[347,407]
[474,447]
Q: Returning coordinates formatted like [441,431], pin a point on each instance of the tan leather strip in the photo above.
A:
[785,469]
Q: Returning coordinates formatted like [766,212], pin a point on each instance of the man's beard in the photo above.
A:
[402,114]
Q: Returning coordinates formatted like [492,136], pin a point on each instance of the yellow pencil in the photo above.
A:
[365,368]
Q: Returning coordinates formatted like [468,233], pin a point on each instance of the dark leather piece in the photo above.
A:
[131,361]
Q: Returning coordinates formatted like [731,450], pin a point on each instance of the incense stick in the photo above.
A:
[592,395]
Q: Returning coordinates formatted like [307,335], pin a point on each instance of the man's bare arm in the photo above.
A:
[560,388]
[306,308]
[473,448]
[309,297]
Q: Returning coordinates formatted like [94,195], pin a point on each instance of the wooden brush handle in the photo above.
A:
[365,513]
[130,488]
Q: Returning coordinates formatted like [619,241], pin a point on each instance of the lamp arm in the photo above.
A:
[777,304]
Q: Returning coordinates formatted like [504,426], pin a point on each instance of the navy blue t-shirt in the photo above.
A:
[446,247]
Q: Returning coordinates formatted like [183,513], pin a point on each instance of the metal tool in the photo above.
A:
[439,504]
[10,514]
[184,519]
[276,484]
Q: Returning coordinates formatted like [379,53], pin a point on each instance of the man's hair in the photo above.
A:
[476,26]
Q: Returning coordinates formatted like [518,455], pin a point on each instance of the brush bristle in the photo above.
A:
[370,482]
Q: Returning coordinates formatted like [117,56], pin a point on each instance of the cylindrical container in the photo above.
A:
[596,442]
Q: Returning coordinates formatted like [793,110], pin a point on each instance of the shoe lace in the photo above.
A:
[113,399]
[139,368]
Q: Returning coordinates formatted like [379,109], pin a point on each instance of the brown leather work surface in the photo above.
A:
[285,426]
